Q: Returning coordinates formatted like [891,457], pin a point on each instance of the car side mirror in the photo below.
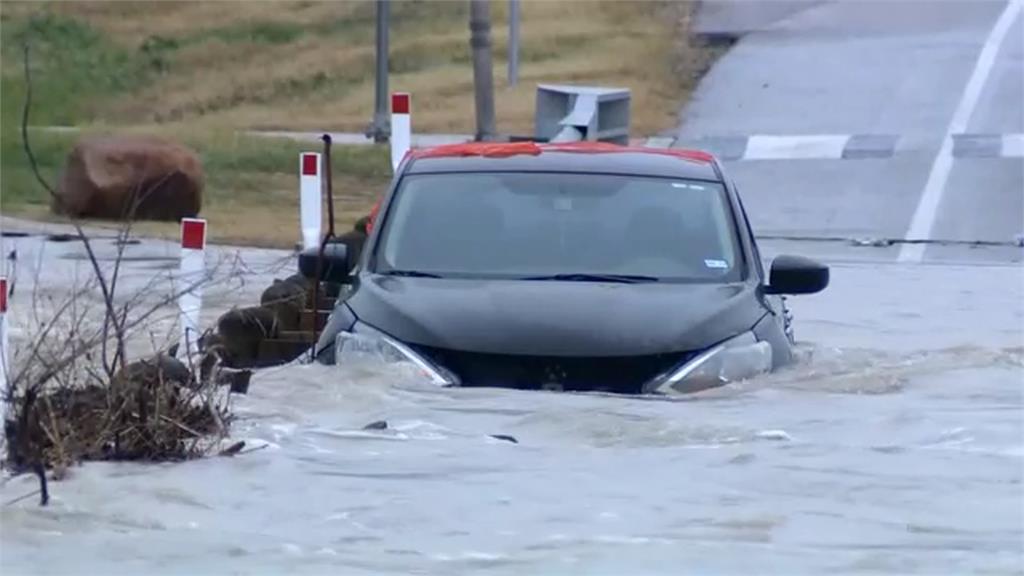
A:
[337,263]
[796,275]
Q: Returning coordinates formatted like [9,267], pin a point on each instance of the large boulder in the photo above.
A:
[240,332]
[105,175]
[287,298]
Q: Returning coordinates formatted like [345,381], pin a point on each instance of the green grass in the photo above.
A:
[18,187]
[73,66]
[200,72]
[310,65]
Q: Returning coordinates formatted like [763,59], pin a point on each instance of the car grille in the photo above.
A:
[622,375]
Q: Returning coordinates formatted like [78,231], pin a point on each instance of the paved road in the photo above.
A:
[874,119]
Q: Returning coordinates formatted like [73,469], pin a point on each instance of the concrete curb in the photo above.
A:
[725,21]
[733,147]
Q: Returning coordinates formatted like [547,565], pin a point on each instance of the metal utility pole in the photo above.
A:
[483,80]
[380,128]
[513,42]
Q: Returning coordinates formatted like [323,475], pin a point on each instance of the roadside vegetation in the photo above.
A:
[202,72]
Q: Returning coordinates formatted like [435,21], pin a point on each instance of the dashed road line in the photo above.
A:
[820,146]
[1013,146]
[844,146]
[862,146]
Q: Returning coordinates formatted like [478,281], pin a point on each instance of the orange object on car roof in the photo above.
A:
[372,216]
[505,149]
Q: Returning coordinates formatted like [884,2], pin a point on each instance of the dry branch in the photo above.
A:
[68,405]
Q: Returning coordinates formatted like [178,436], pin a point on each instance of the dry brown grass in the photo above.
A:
[317,72]
[227,65]
[237,218]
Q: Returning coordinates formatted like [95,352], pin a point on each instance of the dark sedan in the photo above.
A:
[585,266]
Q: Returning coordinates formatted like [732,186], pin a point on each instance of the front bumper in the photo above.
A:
[670,373]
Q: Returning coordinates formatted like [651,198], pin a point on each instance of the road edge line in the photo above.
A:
[931,197]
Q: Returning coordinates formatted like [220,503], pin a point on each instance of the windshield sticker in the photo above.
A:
[688,186]
[716,264]
[564,204]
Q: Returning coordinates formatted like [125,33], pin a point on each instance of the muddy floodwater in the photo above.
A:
[895,446]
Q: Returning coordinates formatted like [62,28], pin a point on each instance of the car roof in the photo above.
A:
[582,157]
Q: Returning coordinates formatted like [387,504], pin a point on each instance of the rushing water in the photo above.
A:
[896,445]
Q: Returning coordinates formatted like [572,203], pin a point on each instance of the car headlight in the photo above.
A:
[366,346]
[735,359]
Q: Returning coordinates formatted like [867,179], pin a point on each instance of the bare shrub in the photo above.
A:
[73,394]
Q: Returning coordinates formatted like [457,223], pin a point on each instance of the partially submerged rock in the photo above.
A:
[241,331]
[241,334]
[214,365]
[105,175]
[287,298]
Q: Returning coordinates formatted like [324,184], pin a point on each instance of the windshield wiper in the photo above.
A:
[580,277]
[411,274]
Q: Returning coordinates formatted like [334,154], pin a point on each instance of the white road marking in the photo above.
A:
[928,207]
[1013,146]
[812,146]
[659,142]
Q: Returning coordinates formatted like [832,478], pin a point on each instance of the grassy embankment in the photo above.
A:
[201,72]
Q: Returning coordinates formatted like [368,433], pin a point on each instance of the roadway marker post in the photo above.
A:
[310,200]
[401,127]
[4,356]
[191,270]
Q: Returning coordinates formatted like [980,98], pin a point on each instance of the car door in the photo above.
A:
[775,303]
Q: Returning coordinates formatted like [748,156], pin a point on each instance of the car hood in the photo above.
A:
[555,318]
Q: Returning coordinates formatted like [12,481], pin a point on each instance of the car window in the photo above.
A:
[526,224]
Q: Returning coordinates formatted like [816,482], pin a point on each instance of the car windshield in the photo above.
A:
[570,225]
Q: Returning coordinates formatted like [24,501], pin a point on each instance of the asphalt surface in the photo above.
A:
[873,120]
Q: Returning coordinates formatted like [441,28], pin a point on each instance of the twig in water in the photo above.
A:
[235,448]
[44,497]
[256,449]
[20,498]
[108,299]
[180,425]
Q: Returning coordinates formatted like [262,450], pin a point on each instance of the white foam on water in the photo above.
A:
[774,435]
[361,434]
[630,540]
[469,555]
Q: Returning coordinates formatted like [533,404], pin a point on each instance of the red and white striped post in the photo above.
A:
[401,127]
[191,270]
[4,356]
[310,201]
